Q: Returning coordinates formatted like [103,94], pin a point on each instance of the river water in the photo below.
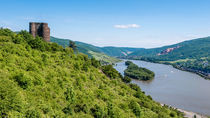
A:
[174,87]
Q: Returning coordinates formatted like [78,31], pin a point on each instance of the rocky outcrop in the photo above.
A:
[166,51]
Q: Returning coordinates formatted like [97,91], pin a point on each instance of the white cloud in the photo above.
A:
[126,26]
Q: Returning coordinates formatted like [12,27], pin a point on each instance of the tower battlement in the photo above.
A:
[40,29]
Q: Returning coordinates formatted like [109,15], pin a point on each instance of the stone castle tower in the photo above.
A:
[40,29]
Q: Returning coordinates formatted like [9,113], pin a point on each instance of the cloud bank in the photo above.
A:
[126,26]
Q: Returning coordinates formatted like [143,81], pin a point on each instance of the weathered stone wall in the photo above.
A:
[40,29]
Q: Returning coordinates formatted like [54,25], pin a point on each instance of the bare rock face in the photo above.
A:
[40,29]
[166,51]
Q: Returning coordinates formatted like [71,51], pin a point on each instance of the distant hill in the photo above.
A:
[110,51]
[81,47]
[119,51]
[90,50]
[192,55]
[192,49]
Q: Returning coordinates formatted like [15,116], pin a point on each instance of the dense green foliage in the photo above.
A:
[126,79]
[202,64]
[40,79]
[110,71]
[135,72]
[72,45]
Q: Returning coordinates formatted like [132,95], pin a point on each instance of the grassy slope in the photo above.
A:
[110,51]
[40,79]
[88,49]
[103,58]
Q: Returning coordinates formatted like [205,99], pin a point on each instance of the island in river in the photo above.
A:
[135,72]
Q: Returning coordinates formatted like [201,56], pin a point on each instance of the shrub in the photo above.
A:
[95,62]
[70,95]
[10,97]
[33,114]
[135,108]
[134,87]
[127,63]
[5,38]
[68,110]
[23,81]
[97,111]
[109,71]
[126,79]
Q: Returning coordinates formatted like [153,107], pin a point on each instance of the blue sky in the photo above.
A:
[124,23]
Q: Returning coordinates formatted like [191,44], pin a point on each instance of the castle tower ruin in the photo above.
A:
[40,29]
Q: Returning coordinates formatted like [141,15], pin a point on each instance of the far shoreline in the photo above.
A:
[197,73]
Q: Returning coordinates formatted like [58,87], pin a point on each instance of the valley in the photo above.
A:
[192,55]
[105,59]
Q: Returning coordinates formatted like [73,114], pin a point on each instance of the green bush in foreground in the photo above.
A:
[40,79]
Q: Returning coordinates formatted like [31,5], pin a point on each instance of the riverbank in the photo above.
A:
[204,75]
[189,114]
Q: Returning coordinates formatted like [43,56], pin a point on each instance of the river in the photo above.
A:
[174,87]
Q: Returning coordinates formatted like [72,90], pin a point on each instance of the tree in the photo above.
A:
[126,79]
[109,71]
[72,45]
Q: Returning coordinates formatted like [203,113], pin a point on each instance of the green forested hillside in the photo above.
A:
[40,79]
[192,55]
[192,49]
[110,51]
[90,50]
